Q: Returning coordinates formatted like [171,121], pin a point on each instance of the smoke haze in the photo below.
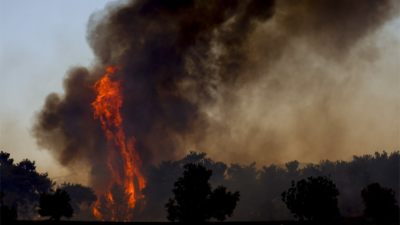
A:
[270,81]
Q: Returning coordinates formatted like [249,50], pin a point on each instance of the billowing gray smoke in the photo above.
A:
[182,58]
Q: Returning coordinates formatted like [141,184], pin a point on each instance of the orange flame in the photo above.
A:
[96,213]
[106,108]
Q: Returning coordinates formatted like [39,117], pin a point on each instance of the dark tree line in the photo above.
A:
[315,199]
[24,191]
[261,189]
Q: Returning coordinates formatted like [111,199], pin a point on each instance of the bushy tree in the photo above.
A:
[223,203]
[80,195]
[194,198]
[8,214]
[380,203]
[314,199]
[191,192]
[165,174]
[22,185]
[55,205]
[82,198]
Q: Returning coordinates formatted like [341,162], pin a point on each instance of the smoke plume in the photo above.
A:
[239,79]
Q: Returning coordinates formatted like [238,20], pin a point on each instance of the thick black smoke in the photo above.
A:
[178,58]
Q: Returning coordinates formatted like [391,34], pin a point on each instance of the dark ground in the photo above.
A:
[351,221]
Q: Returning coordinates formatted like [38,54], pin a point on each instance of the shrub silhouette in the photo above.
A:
[195,201]
[380,203]
[222,204]
[55,205]
[165,174]
[7,214]
[314,199]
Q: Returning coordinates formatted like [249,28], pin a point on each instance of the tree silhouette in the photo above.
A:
[165,174]
[80,195]
[82,198]
[55,205]
[191,195]
[222,204]
[22,185]
[380,203]
[194,199]
[314,199]
[7,214]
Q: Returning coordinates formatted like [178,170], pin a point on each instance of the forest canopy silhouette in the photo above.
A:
[260,189]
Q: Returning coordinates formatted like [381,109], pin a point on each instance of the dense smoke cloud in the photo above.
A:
[200,75]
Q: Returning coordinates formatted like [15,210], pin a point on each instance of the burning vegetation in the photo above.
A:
[126,180]
[228,77]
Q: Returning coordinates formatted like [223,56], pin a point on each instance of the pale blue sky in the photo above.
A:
[39,41]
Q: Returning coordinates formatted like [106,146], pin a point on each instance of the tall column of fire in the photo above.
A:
[106,108]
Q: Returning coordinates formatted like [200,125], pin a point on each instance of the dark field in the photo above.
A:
[352,221]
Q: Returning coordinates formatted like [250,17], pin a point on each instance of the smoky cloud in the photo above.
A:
[235,79]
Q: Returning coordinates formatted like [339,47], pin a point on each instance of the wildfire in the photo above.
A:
[128,176]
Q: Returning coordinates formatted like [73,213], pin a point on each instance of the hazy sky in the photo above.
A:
[39,41]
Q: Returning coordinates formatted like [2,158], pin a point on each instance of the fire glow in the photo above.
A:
[106,108]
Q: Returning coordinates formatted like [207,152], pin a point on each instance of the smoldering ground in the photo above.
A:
[270,81]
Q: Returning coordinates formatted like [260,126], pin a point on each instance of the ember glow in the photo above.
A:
[106,108]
